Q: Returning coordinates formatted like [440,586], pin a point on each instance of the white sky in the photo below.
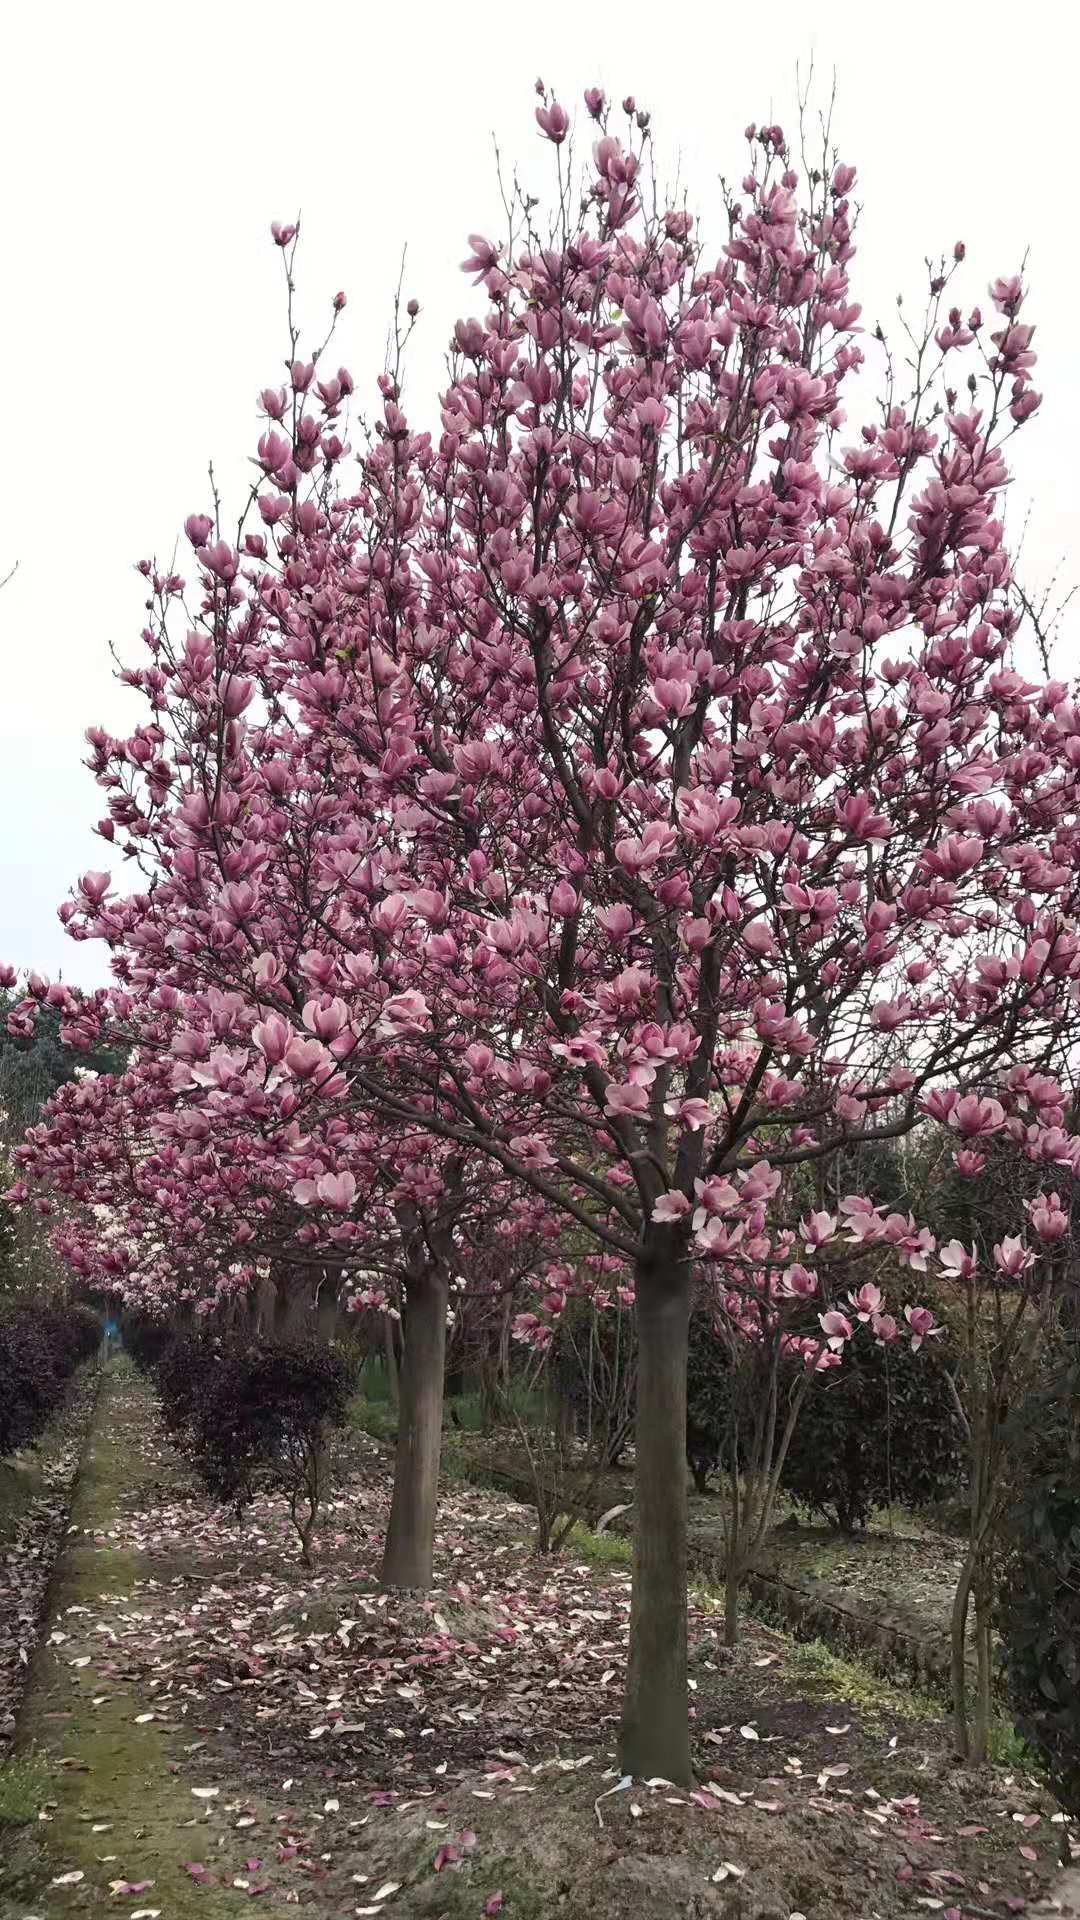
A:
[145,148]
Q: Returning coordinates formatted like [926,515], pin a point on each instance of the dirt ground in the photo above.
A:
[208,1723]
[900,1566]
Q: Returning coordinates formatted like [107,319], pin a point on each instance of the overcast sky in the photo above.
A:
[145,148]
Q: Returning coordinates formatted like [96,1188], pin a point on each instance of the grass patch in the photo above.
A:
[1008,1748]
[25,1782]
[825,1561]
[376,1417]
[599,1549]
[824,1675]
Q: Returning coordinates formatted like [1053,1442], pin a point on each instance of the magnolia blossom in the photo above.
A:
[817,1228]
[1048,1216]
[670,1206]
[692,1114]
[867,1302]
[922,1324]
[973,1118]
[532,1150]
[836,1327]
[1012,1258]
[969,1165]
[797,1283]
[957,1263]
[625,1099]
[714,1196]
[403,1013]
[913,1243]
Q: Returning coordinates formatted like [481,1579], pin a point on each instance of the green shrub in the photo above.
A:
[1040,1606]
[881,1428]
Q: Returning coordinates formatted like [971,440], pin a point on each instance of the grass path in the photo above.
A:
[115,1811]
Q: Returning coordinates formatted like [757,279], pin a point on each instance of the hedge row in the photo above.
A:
[40,1347]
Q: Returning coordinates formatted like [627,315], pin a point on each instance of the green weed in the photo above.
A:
[25,1782]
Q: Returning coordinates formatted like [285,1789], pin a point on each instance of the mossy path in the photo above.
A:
[112,1810]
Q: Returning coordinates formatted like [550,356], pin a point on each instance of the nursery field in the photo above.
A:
[206,1722]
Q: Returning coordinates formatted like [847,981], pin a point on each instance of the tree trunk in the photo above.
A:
[410,1537]
[265,1308]
[961,1601]
[732,1584]
[654,1736]
[327,1315]
[390,1351]
[984,1656]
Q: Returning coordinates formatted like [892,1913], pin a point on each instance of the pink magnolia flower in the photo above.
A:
[670,1206]
[922,1324]
[836,1327]
[862,1220]
[304,1058]
[716,1239]
[913,1243]
[326,1017]
[272,1037]
[957,1263]
[402,1014]
[797,1283]
[628,1099]
[564,899]
[1048,1216]
[554,121]
[969,1165]
[532,1151]
[973,1118]
[819,1356]
[337,1189]
[692,1114]
[582,1050]
[94,887]
[817,1228]
[940,1102]
[866,1303]
[1012,1258]
[760,1183]
[714,1196]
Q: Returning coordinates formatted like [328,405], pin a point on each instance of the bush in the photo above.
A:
[709,1409]
[255,1418]
[1040,1605]
[41,1344]
[880,1429]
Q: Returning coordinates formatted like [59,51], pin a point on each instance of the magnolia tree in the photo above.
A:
[179,1189]
[627,785]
